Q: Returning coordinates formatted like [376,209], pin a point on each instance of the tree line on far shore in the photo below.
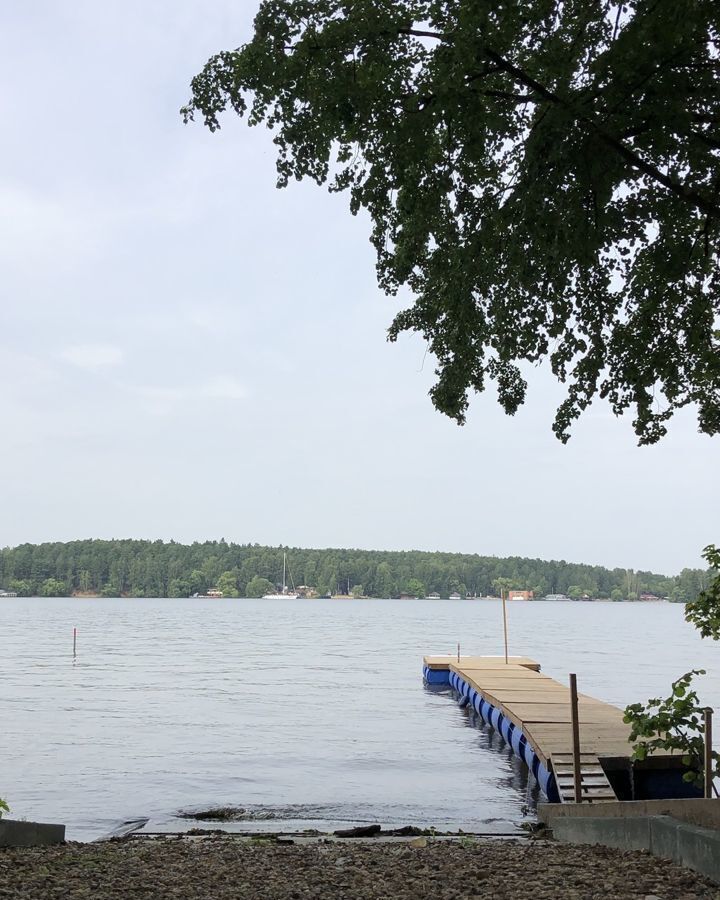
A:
[168,569]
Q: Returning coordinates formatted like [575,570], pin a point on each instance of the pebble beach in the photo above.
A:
[218,867]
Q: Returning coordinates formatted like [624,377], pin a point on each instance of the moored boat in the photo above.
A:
[285,594]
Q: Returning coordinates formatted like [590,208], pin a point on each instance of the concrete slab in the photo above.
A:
[619,833]
[699,849]
[692,846]
[664,837]
[30,834]
[705,813]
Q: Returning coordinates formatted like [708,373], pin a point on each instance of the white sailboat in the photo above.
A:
[286,594]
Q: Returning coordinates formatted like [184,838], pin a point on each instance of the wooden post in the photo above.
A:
[74,642]
[708,753]
[575,719]
[502,596]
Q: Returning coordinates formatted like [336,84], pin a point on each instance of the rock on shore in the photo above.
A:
[225,868]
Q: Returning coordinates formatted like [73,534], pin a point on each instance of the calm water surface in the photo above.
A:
[313,711]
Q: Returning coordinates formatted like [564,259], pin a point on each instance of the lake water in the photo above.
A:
[311,711]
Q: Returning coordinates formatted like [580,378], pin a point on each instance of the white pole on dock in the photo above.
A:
[575,719]
[502,595]
[74,642]
[708,753]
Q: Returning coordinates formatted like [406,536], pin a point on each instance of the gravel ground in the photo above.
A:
[220,868]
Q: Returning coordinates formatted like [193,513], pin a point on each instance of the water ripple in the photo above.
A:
[304,705]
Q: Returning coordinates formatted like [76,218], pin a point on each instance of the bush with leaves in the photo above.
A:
[3,807]
[677,723]
[704,613]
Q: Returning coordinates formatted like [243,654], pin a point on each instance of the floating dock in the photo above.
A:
[532,712]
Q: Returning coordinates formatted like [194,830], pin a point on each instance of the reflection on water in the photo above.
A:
[312,707]
[518,780]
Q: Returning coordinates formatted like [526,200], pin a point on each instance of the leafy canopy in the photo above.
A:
[543,176]
[258,586]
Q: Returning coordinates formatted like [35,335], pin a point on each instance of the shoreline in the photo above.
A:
[89,595]
[223,867]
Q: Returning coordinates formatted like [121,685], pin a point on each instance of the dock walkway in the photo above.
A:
[532,712]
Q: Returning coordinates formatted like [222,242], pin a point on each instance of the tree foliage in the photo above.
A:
[160,569]
[544,177]
[227,583]
[257,587]
[53,587]
[675,723]
[414,587]
[704,612]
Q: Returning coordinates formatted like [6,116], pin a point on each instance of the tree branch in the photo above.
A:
[676,187]
[708,139]
[507,95]
[414,32]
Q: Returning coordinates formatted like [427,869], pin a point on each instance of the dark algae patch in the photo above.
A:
[231,814]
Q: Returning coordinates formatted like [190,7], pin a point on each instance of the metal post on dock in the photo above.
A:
[502,597]
[458,653]
[707,716]
[575,719]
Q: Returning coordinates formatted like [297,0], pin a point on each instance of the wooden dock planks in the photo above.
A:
[540,706]
[481,662]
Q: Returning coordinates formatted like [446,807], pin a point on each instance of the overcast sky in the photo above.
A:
[187,352]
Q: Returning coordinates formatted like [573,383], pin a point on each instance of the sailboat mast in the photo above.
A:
[284,557]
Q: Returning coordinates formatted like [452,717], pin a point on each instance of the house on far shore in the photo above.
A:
[557,597]
[433,596]
[521,595]
[7,593]
[455,596]
[647,597]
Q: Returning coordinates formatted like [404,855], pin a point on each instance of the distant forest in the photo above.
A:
[158,569]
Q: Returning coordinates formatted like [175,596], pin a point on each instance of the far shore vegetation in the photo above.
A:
[137,568]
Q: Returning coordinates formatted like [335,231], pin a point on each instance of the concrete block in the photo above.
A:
[29,834]
[664,837]
[620,833]
[699,849]
[693,846]
[695,812]
[637,833]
